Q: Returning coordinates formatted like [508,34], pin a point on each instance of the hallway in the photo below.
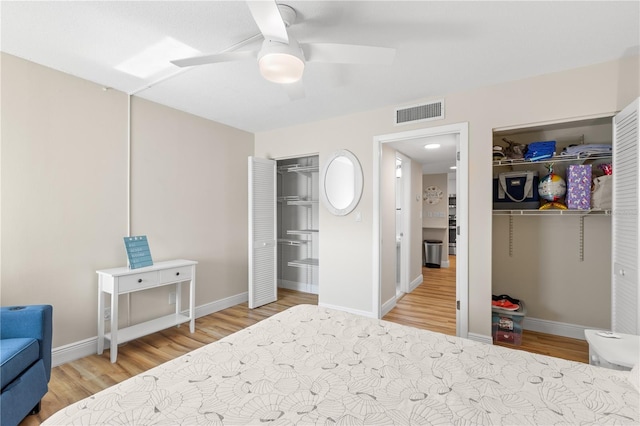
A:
[432,305]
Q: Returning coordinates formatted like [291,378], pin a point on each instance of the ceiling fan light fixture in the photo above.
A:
[280,62]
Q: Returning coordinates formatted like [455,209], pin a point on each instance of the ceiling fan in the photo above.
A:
[282,59]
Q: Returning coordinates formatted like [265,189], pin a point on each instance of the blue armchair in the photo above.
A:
[25,360]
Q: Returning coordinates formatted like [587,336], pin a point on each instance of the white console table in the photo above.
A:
[117,281]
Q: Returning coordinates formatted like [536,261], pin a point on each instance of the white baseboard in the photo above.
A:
[480,338]
[542,326]
[556,328]
[387,306]
[87,347]
[71,352]
[221,304]
[294,285]
[416,282]
[352,311]
[445,264]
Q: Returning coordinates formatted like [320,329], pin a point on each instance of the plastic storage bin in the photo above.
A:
[507,325]
[432,253]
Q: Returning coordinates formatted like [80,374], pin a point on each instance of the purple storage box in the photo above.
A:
[579,187]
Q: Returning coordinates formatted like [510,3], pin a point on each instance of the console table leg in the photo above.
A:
[192,300]
[178,299]
[100,317]
[114,327]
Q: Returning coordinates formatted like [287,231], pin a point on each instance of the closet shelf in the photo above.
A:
[301,231]
[305,203]
[550,212]
[296,200]
[555,159]
[288,242]
[297,168]
[304,263]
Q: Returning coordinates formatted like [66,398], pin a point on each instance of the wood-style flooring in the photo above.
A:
[430,306]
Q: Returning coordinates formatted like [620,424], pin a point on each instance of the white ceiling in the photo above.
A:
[442,47]
[433,161]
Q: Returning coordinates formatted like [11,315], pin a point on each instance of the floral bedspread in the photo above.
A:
[312,365]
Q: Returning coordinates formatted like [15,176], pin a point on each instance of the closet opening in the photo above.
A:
[298,224]
[283,229]
[555,245]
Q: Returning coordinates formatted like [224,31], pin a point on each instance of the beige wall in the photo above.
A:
[189,196]
[63,183]
[64,201]
[546,272]
[64,195]
[597,89]
[436,215]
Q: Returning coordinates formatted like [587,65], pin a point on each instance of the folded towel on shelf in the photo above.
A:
[537,151]
[588,148]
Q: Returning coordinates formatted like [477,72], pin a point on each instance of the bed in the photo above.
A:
[312,365]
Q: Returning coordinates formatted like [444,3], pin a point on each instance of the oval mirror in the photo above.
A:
[341,182]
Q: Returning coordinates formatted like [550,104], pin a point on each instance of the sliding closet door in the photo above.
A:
[262,232]
[625,316]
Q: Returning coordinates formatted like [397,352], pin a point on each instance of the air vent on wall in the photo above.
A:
[424,112]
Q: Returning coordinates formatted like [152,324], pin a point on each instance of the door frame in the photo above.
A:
[406,235]
[462,215]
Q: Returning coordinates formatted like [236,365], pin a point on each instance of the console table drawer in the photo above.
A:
[138,281]
[182,273]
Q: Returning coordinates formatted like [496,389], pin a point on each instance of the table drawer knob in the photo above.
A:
[139,280]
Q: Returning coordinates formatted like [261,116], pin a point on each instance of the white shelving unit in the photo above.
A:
[298,223]
[574,159]
[547,256]
[540,166]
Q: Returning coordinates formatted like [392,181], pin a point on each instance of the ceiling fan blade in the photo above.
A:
[215,58]
[295,90]
[348,53]
[267,16]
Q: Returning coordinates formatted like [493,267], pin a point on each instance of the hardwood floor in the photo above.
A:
[431,306]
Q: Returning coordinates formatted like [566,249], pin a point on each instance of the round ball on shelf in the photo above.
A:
[552,187]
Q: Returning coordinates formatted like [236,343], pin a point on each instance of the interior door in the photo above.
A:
[263,286]
[625,298]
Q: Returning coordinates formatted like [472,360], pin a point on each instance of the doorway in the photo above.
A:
[382,264]
[403,219]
